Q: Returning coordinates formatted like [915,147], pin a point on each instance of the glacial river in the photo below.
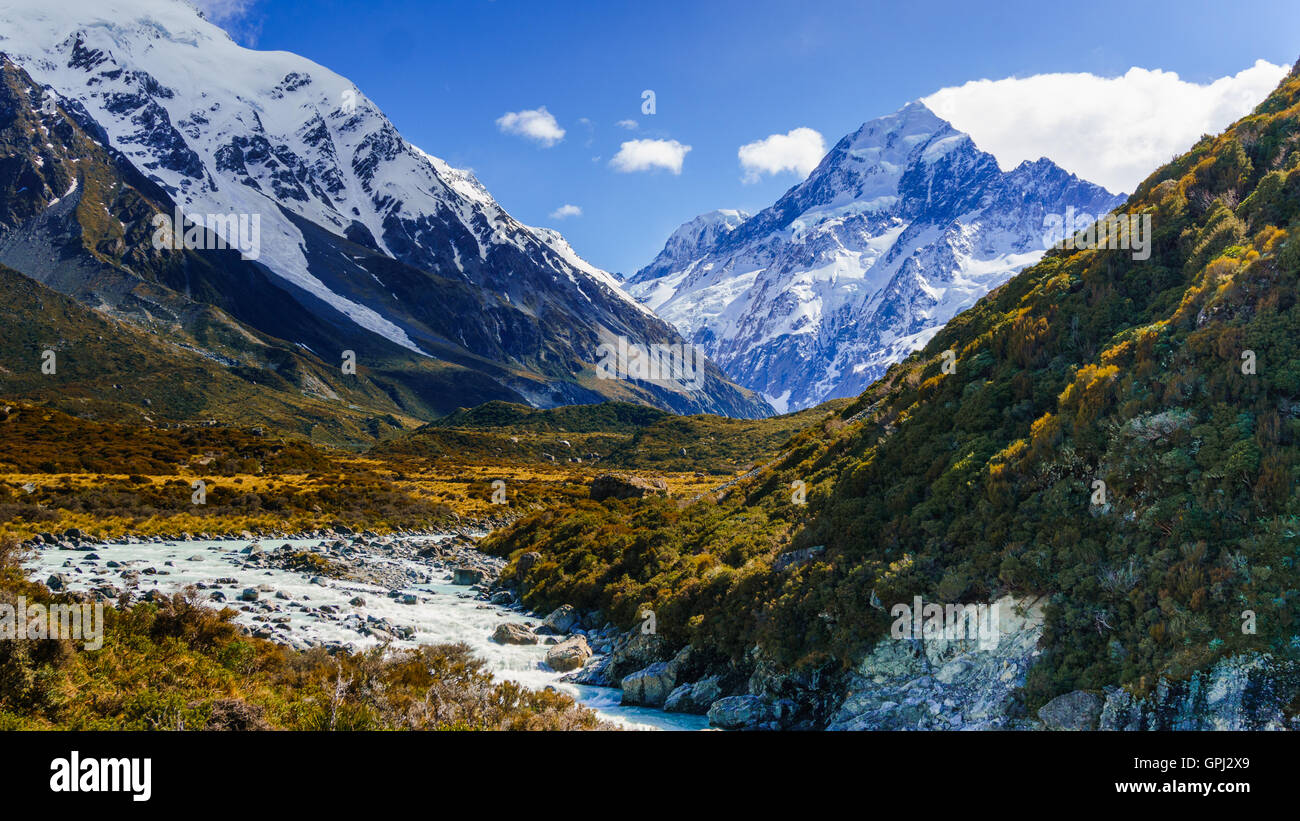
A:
[443,612]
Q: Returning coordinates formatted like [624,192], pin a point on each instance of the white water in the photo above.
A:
[443,613]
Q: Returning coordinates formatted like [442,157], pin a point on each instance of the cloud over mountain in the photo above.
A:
[1112,130]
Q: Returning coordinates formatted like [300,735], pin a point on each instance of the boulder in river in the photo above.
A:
[511,633]
[650,686]
[466,575]
[561,619]
[741,713]
[569,654]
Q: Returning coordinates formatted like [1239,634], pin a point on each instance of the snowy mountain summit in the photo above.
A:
[904,224]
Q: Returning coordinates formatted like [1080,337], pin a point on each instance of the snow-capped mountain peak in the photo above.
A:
[250,131]
[902,225]
[690,241]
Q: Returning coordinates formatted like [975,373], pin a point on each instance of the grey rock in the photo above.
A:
[561,618]
[694,698]
[636,652]
[650,686]
[1078,710]
[1245,692]
[741,713]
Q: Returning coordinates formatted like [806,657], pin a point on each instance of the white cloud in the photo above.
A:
[630,125]
[566,210]
[645,155]
[799,151]
[1110,130]
[535,124]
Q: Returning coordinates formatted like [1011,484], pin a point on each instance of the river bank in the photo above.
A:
[334,590]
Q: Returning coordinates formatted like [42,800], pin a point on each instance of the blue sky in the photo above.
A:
[726,74]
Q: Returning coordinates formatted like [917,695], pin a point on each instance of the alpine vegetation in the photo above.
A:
[1125,232]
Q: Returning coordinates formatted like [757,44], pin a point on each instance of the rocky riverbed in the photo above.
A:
[353,590]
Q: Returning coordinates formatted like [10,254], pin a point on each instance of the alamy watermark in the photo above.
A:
[1081,230]
[677,363]
[209,232]
[952,622]
[82,622]
[124,775]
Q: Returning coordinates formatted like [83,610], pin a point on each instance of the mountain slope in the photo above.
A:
[109,370]
[903,224]
[356,225]
[1173,381]
[77,217]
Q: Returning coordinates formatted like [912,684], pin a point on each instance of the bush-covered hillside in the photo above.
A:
[1090,367]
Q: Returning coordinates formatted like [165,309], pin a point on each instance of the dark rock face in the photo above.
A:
[795,558]
[614,486]
[1245,692]
[650,687]
[527,561]
[638,651]
[749,713]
